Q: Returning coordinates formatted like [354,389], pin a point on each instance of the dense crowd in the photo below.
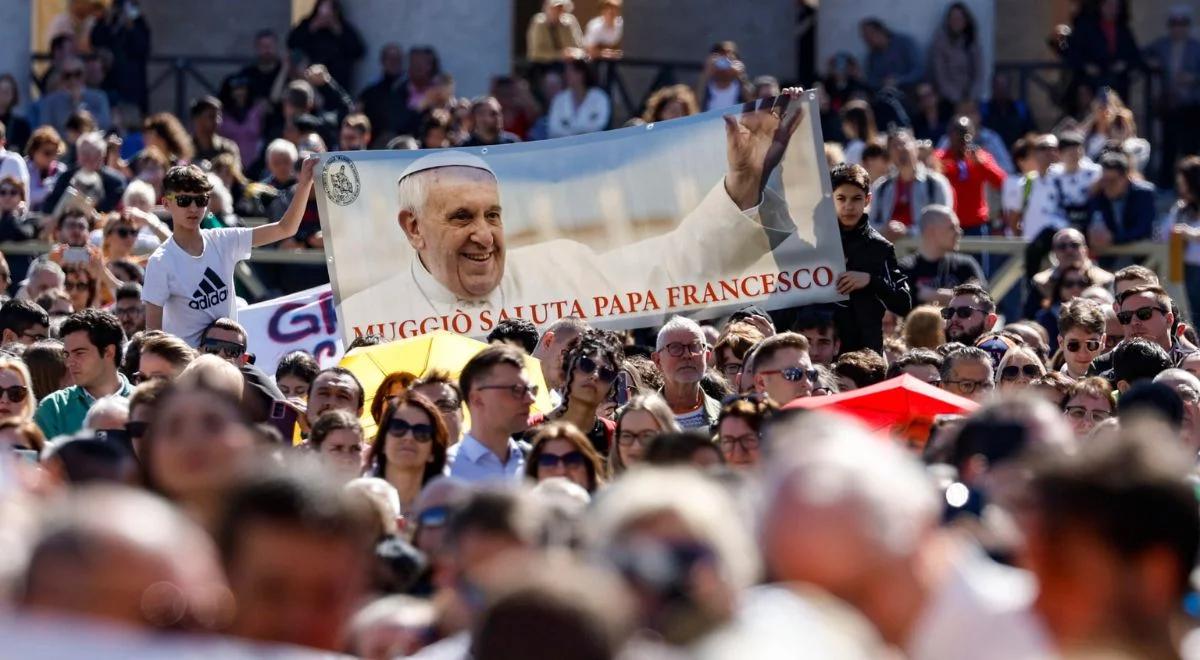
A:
[678,496]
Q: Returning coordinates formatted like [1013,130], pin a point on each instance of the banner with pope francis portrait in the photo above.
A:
[697,216]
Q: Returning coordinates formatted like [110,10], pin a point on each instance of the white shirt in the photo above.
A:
[1076,186]
[601,35]
[1042,208]
[723,97]
[1179,216]
[590,116]
[195,291]
[11,164]
[470,460]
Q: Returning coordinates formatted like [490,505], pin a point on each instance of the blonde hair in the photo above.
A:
[18,367]
[923,328]
[213,372]
[651,403]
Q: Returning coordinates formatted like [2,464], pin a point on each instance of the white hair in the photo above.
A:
[704,507]
[1175,377]
[109,406]
[678,323]
[829,461]
[414,188]
[93,139]
[282,146]
[48,266]
[139,194]
[379,490]
[223,199]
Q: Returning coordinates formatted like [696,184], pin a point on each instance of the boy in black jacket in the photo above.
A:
[873,279]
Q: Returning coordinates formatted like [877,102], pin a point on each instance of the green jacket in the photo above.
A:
[62,412]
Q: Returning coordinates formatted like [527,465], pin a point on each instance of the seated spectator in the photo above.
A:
[207,115]
[892,57]
[74,95]
[723,81]
[42,154]
[337,437]
[295,374]
[15,124]
[355,133]
[938,267]
[101,184]
[858,369]
[920,363]
[602,38]
[967,372]
[645,417]
[553,33]
[94,344]
[561,451]
[582,107]
[1080,336]
[1118,192]
[16,223]
[486,126]
[328,39]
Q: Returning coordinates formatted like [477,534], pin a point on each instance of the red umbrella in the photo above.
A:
[904,404]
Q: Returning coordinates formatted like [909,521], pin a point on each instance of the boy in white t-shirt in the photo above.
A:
[189,278]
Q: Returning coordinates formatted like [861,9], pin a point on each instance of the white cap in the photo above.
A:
[445,158]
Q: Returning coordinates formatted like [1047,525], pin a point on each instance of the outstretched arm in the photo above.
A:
[290,222]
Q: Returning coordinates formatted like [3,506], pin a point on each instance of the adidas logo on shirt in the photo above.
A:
[211,292]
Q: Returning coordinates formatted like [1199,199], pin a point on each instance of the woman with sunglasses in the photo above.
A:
[739,428]
[337,437]
[591,364]
[81,285]
[15,222]
[645,417]
[1065,286]
[560,450]
[410,446]
[1089,402]
[16,396]
[120,235]
[1019,367]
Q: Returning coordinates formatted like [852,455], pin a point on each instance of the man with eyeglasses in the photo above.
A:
[23,322]
[57,107]
[189,278]
[498,394]
[681,354]
[783,369]
[128,308]
[970,314]
[968,373]
[1145,312]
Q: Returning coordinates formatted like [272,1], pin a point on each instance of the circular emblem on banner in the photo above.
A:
[340,180]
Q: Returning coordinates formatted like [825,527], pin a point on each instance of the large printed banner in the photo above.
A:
[302,321]
[700,216]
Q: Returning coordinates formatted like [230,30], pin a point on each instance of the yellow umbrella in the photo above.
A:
[419,355]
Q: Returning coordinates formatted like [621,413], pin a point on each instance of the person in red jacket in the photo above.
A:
[970,168]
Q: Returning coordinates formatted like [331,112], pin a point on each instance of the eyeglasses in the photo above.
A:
[567,460]
[15,394]
[1073,345]
[125,232]
[590,367]
[518,391]
[434,516]
[963,312]
[746,442]
[1068,245]
[1012,371]
[793,374]
[185,201]
[226,349]
[676,349]
[35,336]
[420,432]
[1079,413]
[1142,314]
[137,429]
[627,438]
[731,369]
[78,286]
[9,192]
[969,386]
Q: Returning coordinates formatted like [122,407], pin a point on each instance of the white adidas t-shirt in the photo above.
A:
[195,291]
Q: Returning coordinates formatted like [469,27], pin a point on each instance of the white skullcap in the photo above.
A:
[445,158]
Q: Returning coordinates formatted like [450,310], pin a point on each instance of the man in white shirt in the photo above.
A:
[498,394]
[11,164]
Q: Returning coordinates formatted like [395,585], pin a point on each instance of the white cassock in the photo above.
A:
[716,240]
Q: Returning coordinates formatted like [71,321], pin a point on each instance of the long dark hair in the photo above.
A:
[337,10]
[589,342]
[377,454]
[1189,169]
[968,33]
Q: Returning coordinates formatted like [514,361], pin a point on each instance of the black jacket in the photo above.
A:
[114,187]
[859,320]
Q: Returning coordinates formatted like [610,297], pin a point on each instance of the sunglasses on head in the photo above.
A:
[226,349]
[420,432]
[1073,345]
[590,367]
[185,201]
[1142,314]
[963,312]
[15,394]
[1012,371]
[569,459]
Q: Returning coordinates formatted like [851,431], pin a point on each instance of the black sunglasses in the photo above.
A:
[569,459]
[963,312]
[1073,345]
[1012,371]
[137,429]
[589,366]
[1068,245]
[9,192]
[126,232]
[420,432]
[226,349]
[15,394]
[1142,313]
[185,201]
[793,374]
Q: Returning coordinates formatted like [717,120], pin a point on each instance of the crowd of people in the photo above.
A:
[678,496]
